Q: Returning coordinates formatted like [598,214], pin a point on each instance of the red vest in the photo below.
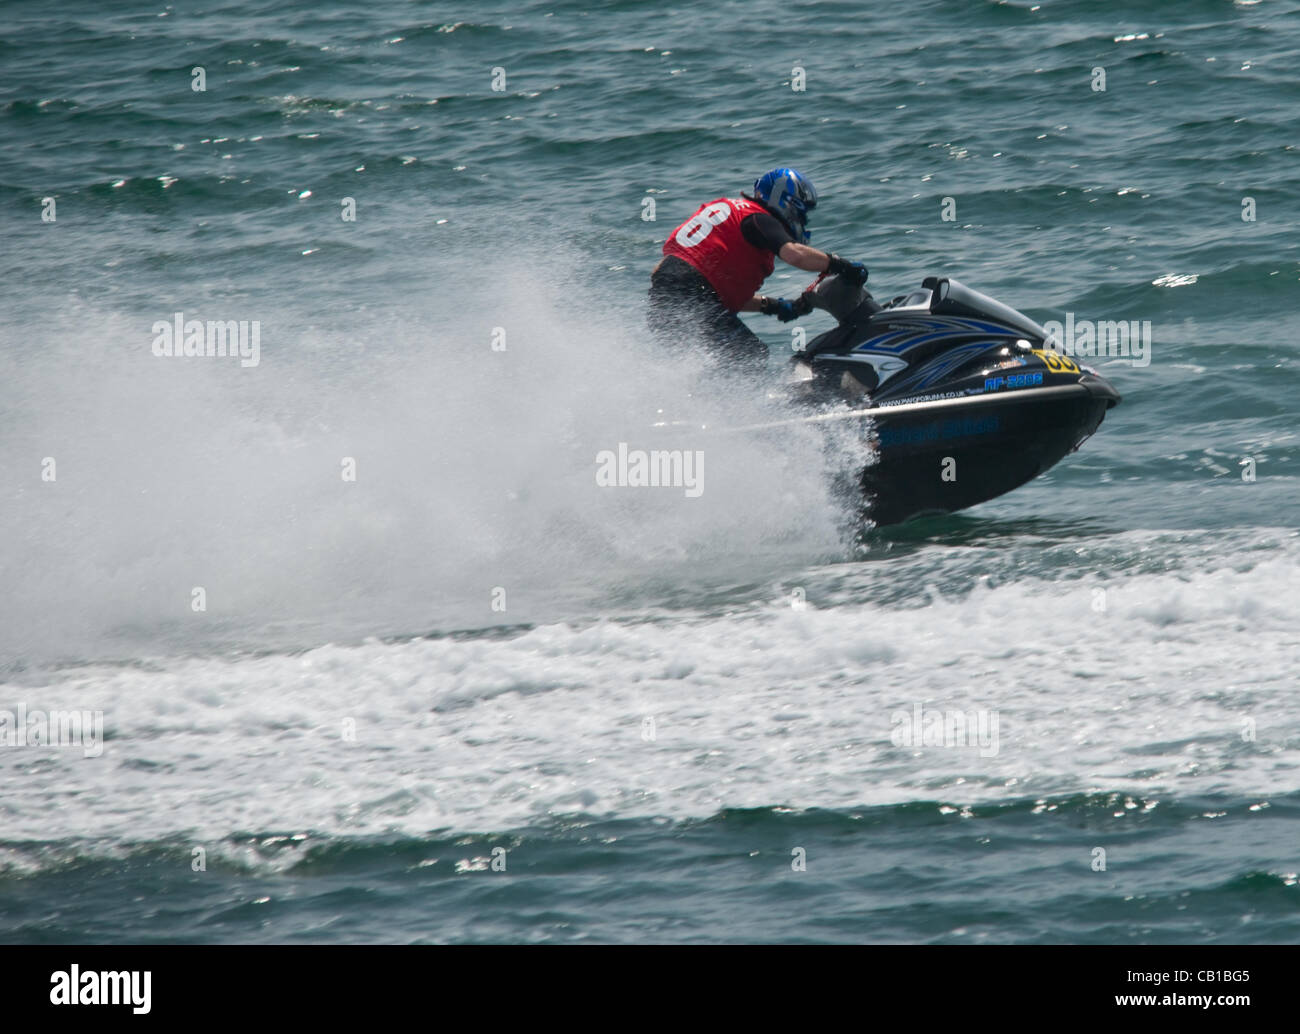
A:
[711,241]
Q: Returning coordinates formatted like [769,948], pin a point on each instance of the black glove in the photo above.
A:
[784,309]
[852,272]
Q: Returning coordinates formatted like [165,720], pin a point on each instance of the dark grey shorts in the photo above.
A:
[684,311]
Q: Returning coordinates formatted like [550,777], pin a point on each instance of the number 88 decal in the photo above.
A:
[702,223]
[1057,363]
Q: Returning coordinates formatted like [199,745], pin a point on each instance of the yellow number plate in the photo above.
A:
[1057,363]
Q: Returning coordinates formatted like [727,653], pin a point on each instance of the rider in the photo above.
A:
[715,262]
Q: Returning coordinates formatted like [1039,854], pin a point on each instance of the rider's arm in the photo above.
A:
[764,231]
[803,257]
[814,261]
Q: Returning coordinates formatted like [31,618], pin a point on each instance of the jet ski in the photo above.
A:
[965,398]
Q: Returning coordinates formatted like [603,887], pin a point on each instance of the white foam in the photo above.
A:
[752,705]
[475,469]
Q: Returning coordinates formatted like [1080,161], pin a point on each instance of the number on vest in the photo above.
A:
[701,225]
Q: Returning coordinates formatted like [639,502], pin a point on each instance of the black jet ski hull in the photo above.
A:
[945,456]
[967,398]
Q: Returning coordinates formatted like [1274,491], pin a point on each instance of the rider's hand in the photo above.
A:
[786,310]
[851,272]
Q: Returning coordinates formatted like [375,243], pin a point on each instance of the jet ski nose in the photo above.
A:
[1099,387]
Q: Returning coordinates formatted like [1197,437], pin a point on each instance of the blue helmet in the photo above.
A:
[792,194]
